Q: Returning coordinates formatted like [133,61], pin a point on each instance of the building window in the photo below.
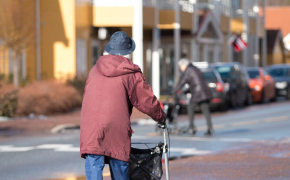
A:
[95,55]
[236,4]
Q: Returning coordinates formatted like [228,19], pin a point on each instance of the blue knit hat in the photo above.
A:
[120,44]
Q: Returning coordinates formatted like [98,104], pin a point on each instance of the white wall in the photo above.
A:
[115,3]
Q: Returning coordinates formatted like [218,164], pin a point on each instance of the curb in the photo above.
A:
[61,127]
[3,118]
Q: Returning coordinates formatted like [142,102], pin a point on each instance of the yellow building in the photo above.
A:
[60,23]
[70,35]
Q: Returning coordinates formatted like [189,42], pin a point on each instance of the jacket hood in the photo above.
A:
[114,65]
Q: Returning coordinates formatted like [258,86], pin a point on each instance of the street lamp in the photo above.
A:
[102,33]
[256,9]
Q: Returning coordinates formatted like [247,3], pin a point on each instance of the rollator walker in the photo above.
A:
[146,164]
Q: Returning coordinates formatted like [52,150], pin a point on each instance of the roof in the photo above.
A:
[279,66]
[253,68]
[225,63]
[276,18]
[208,31]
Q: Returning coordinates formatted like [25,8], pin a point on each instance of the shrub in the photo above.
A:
[8,104]
[47,97]
[79,83]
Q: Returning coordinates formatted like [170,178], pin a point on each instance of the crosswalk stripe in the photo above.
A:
[10,148]
[277,119]
[245,123]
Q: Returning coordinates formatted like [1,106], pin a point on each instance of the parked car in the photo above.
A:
[216,85]
[281,74]
[262,85]
[236,79]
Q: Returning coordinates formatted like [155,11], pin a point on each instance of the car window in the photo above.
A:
[254,74]
[278,72]
[224,72]
[265,73]
[236,74]
[209,77]
[245,73]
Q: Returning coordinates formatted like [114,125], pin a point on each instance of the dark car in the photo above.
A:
[281,74]
[216,85]
[236,79]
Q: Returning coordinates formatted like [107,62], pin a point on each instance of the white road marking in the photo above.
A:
[60,147]
[10,148]
[283,118]
[55,147]
[146,122]
[202,128]
[70,148]
[189,151]
[219,126]
[245,123]
[205,139]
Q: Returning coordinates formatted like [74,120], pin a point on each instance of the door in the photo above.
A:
[95,51]
[81,60]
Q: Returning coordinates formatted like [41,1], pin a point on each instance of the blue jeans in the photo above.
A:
[95,164]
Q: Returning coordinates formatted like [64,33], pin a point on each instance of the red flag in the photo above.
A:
[239,44]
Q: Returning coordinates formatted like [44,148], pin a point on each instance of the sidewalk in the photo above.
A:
[43,125]
[259,161]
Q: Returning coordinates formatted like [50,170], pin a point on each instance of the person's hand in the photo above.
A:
[162,124]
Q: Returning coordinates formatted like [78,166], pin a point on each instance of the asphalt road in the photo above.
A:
[57,156]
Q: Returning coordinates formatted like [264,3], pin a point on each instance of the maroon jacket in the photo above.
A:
[113,87]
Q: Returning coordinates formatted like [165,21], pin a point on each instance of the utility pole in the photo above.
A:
[156,59]
[264,51]
[257,54]
[138,33]
[37,43]
[230,47]
[246,32]
[176,40]
[194,43]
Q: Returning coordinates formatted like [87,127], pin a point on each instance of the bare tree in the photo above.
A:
[16,30]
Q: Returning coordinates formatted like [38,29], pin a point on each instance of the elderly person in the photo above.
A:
[200,94]
[113,87]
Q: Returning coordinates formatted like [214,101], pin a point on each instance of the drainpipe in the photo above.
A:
[38,45]
[156,59]
[138,33]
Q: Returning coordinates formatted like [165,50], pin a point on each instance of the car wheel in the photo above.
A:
[249,100]
[234,102]
[288,94]
[274,99]
[224,107]
[262,97]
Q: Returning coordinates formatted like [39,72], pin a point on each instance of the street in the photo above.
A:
[57,156]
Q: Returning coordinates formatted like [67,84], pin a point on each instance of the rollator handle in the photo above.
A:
[162,124]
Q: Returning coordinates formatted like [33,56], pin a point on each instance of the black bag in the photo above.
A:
[146,164]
